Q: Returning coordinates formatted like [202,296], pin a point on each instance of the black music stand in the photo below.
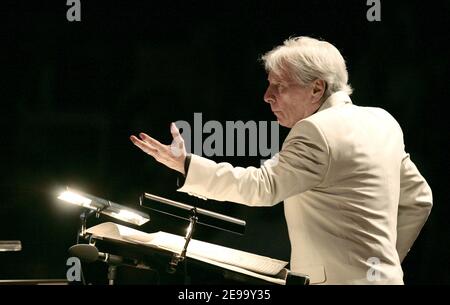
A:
[195,216]
[209,263]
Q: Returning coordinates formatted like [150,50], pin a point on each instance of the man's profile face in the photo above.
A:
[289,101]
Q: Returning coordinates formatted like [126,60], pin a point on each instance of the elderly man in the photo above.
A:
[354,200]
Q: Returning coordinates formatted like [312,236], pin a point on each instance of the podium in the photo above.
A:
[205,263]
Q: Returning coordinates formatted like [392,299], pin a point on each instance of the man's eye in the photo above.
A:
[277,86]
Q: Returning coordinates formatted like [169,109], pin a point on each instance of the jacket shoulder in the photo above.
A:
[346,113]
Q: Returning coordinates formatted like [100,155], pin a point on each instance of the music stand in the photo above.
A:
[195,216]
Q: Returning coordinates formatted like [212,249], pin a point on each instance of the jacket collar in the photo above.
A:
[337,98]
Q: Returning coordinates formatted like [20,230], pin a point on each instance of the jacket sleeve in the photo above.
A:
[414,205]
[301,165]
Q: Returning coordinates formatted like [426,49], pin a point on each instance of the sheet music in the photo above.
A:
[232,259]
[249,261]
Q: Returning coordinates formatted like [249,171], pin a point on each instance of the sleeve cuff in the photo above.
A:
[182,178]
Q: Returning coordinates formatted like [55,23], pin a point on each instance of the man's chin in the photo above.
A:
[282,124]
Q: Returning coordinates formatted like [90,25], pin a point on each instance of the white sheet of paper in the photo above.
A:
[236,260]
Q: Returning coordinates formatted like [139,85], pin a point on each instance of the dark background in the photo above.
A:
[73,92]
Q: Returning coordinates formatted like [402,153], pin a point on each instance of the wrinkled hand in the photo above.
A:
[172,156]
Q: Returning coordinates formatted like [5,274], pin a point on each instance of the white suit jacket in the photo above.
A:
[354,201]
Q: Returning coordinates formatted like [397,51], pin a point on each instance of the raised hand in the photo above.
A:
[172,156]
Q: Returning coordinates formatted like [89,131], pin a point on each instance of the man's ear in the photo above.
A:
[318,90]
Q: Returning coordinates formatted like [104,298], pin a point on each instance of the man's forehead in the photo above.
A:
[273,77]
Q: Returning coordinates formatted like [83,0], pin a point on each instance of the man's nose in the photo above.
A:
[268,96]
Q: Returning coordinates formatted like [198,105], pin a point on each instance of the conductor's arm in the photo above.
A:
[414,205]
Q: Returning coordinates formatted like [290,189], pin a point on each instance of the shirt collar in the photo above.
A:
[337,98]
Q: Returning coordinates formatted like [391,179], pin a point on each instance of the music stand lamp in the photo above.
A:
[96,205]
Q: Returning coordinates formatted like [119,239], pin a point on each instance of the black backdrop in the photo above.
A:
[73,92]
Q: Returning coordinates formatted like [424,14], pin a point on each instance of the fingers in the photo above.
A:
[164,154]
[159,153]
[174,131]
[155,143]
[146,147]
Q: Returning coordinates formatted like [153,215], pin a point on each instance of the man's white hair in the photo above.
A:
[305,59]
